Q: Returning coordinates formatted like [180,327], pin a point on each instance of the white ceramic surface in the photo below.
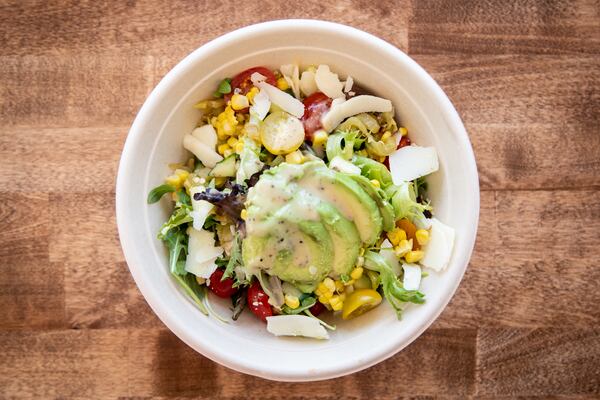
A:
[155,140]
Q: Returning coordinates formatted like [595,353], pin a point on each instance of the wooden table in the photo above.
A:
[525,77]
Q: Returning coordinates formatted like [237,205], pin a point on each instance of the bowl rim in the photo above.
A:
[135,136]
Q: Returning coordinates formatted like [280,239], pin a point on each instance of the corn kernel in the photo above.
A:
[396,235]
[244,214]
[329,284]
[356,273]
[349,283]
[282,84]
[323,299]
[361,252]
[173,180]
[339,286]
[403,247]
[222,147]
[239,146]
[182,173]
[320,137]
[414,256]
[386,136]
[322,288]
[382,159]
[251,93]
[227,152]
[318,292]
[295,157]
[422,236]
[292,301]
[239,102]
[342,297]
[375,183]
[336,303]
[403,131]
[232,142]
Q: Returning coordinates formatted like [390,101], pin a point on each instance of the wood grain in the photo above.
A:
[505,27]
[523,75]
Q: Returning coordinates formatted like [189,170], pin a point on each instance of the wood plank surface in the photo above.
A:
[523,75]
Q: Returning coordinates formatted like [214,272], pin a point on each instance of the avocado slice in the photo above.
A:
[385,208]
[348,197]
[298,252]
[344,236]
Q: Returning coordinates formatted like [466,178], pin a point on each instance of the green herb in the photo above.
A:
[210,223]
[223,88]
[158,192]
[393,290]
[345,278]
[235,259]
[176,241]
[420,186]
[183,198]
[305,304]
[196,291]
[181,215]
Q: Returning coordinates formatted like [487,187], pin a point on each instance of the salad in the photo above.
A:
[303,196]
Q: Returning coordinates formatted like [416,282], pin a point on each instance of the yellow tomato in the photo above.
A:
[359,302]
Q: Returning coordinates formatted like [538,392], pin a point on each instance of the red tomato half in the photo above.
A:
[258,302]
[315,106]
[317,308]
[222,288]
[242,80]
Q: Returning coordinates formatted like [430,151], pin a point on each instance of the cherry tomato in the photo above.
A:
[242,80]
[359,302]
[258,302]
[317,308]
[404,141]
[315,106]
[222,288]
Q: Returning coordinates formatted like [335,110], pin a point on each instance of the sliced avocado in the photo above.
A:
[300,253]
[385,208]
[348,197]
[344,236]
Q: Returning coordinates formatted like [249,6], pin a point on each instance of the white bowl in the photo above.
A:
[155,140]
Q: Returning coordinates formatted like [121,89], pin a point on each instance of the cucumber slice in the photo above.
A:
[225,168]
[281,133]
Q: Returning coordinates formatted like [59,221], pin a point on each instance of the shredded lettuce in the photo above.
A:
[373,170]
[249,161]
[342,144]
[393,289]
[404,201]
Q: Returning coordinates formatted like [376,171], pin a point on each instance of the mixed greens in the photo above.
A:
[303,195]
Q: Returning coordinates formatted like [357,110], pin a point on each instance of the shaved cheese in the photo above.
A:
[308,85]
[328,82]
[412,162]
[387,252]
[337,102]
[202,253]
[296,325]
[354,106]
[209,157]
[412,276]
[207,135]
[201,208]
[261,105]
[283,100]
[348,84]
[439,248]
[291,74]
[341,165]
